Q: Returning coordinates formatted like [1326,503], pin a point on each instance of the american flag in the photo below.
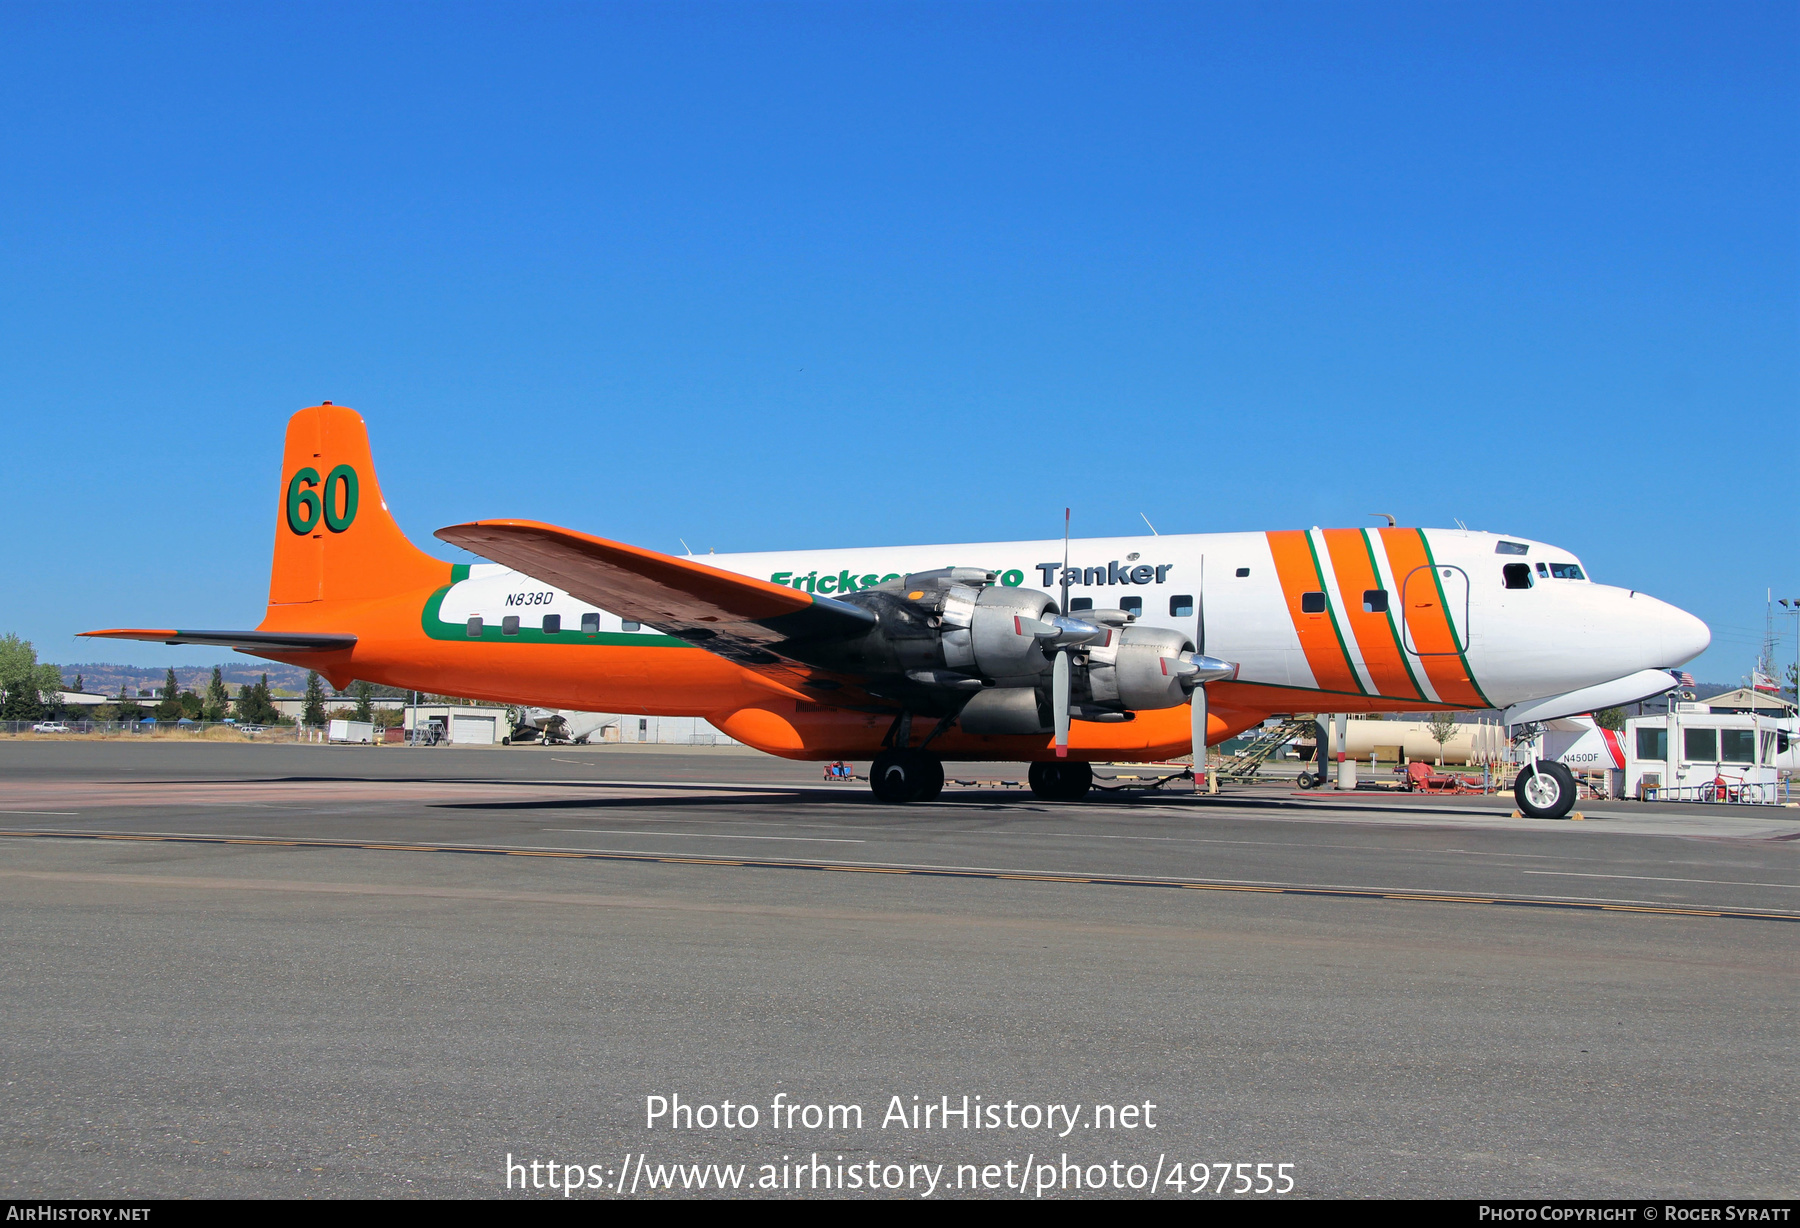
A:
[1687,679]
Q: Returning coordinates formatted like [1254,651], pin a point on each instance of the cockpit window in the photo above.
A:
[1566,571]
[1510,548]
[1518,575]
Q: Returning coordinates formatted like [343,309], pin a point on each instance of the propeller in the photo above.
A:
[1197,732]
[1059,677]
[1059,702]
[1195,670]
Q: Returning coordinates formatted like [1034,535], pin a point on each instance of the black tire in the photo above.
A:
[931,777]
[895,776]
[506,741]
[1306,780]
[1060,782]
[1534,794]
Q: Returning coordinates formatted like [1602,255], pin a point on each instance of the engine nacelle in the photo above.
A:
[1007,711]
[954,621]
[954,642]
[1128,672]
[984,633]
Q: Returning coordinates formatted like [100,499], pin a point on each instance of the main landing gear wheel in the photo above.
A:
[1061,782]
[900,776]
[1546,793]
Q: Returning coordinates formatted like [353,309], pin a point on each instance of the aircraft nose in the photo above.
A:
[1678,636]
[1686,637]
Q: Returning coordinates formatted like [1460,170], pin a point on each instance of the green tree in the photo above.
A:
[217,697]
[364,692]
[26,683]
[313,712]
[1611,718]
[128,708]
[77,685]
[169,707]
[1442,728]
[254,707]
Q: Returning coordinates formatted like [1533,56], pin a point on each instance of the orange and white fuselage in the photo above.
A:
[1329,620]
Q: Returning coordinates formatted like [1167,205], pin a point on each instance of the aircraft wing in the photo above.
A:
[743,619]
[244,641]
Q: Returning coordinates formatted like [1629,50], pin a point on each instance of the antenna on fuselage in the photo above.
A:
[685,546]
[1153,531]
[1390,517]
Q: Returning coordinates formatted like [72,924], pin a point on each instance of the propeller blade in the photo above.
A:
[1197,732]
[1059,700]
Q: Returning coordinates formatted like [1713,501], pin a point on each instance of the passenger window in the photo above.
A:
[1737,746]
[1242,572]
[1652,743]
[509,625]
[1566,571]
[475,627]
[1375,601]
[1312,603]
[1518,575]
[1132,605]
[590,624]
[1181,607]
[552,624]
[1081,603]
[629,626]
[1700,745]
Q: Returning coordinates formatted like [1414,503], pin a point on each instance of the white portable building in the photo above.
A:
[1710,756]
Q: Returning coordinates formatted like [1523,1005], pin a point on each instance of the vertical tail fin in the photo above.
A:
[334,538]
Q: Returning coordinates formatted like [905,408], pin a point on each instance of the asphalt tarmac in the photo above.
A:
[318,971]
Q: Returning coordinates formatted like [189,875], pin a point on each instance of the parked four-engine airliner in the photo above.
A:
[1054,652]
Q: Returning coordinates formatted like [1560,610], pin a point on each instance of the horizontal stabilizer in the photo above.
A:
[246,641]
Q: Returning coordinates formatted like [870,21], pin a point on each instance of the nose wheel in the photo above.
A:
[900,776]
[1545,790]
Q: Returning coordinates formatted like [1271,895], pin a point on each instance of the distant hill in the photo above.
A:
[104,678]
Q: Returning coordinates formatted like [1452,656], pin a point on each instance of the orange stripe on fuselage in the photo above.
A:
[1374,633]
[1318,637]
[1427,620]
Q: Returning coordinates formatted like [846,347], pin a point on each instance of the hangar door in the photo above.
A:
[472,730]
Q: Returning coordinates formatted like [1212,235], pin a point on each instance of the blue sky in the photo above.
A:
[771,275]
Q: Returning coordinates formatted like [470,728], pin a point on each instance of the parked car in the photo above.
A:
[49,727]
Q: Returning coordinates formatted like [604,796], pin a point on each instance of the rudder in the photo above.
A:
[335,540]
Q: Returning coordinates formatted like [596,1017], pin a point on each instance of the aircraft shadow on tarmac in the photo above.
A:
[762,798]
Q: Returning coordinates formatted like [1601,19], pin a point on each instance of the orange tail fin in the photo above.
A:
[334,538]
